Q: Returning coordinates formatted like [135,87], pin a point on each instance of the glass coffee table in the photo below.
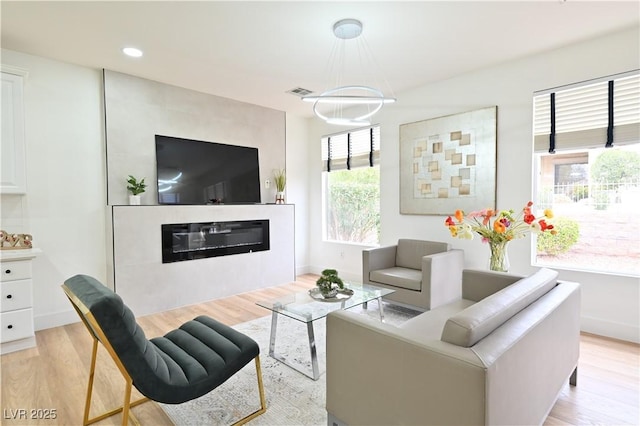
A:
[308,306]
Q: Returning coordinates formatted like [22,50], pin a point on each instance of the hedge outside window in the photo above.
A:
[587,169]
[351,186]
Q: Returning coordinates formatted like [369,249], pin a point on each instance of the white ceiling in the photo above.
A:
[256,51]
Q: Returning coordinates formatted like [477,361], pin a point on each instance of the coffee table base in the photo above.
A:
[315,371]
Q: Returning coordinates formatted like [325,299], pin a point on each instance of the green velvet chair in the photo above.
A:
[184,364]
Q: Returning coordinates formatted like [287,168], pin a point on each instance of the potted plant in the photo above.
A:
[329,283]
[280,178]
[136,188]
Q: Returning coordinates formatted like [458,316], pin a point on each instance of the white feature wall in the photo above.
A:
[147,285]
[138,109]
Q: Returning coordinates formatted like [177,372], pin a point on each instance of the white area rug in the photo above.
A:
[292,398]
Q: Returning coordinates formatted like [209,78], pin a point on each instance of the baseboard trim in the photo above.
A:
[302,270]
[42,322]
[615,330]
[17,345]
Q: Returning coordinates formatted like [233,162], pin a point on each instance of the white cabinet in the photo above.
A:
[13,176]
[16,303]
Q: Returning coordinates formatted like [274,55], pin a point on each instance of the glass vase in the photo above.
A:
[499,259]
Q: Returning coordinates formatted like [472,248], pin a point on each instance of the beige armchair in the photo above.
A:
[424,274]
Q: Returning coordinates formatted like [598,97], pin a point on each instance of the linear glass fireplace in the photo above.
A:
[188,241]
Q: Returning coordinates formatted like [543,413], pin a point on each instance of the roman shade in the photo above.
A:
[356,148]
[582,114]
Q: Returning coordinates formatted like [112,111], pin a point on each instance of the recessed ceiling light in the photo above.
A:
[132,51]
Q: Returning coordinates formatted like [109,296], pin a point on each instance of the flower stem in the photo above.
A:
[499,260]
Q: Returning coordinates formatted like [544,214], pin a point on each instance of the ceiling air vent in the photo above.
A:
[299,91]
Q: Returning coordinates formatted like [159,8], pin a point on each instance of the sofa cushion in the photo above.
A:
[477,321]
[411,279]
[409,253]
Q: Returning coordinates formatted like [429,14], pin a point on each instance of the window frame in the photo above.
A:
[357,159]
[580,141]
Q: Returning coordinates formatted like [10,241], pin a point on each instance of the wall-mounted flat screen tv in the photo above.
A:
[199,172]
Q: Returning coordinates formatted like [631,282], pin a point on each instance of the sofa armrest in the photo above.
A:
[376,375]
[377,258]
[531,357]
[478,284]
[442,277]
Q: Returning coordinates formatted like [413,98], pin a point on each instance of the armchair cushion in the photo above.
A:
[409,253]
[410,279]
[479,320]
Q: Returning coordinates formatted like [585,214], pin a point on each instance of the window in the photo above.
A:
[587,163]
[351,180]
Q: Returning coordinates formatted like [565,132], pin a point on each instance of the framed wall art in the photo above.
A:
[449,163]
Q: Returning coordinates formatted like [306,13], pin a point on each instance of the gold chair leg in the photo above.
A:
[125,408]
[126,404]
[92,370]
[263,401]
[118,410]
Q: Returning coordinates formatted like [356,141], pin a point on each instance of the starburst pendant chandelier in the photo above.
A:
[349,104]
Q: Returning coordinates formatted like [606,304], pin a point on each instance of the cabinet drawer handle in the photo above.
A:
[8,271]
[10,326]
[9,296]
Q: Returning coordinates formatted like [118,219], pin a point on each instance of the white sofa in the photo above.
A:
[498,355]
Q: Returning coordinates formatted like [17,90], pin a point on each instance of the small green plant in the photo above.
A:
[567,234]
[328,278]
[136,187]
[280,179]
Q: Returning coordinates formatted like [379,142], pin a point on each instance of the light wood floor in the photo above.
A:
[54,375]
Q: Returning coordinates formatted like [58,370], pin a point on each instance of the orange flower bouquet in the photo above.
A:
[498,228]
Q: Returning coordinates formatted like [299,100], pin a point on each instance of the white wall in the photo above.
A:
[610,304]
[64,205]
[297,189]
